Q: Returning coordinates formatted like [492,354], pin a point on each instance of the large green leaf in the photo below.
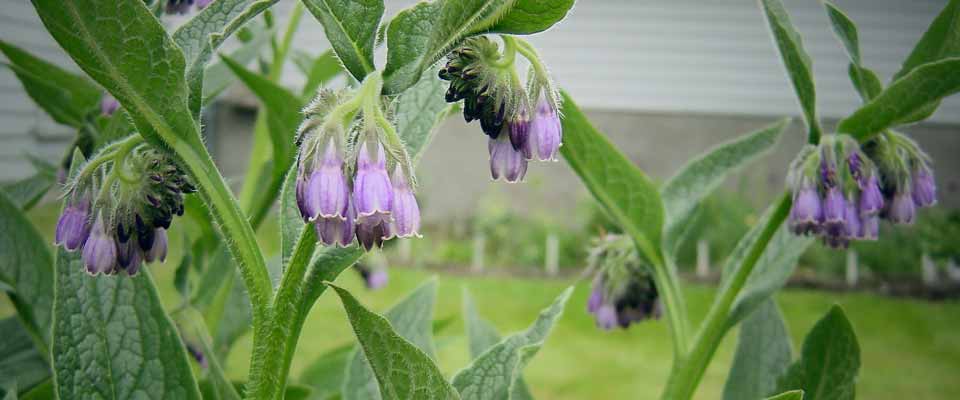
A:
[420,35]
[795,60]
[482,336]
[112,338]
[20,361]
[403,371]
[829,362]
[65,96]
[865,81]
[26,267]
[494,374]
[908,95]
[351,28]
[412,319]
[26,192]
[419,110]
[791,395]
[319,70]
[772,270]
[206,31]
[940,41]
[763,354]
[624,191]
[684,191]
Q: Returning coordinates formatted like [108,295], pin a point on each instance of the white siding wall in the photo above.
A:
[677,56]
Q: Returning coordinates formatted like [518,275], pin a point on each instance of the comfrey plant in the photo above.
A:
[340,163]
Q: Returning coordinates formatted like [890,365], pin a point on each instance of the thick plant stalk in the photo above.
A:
[689,369]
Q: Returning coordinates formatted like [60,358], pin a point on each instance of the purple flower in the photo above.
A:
[108,105]
[306,211]
[73,228]
[178,6]
[129,257]
[834,212]
[326,193]
[158,252]
[806,214]
[100,250]
[372,191]
[336,231]
[406,211]
[903,209]
[545,133]
[375,278]
[924,188]
[505,161]
[519,129]
[869,227]
[596,299]
[606,317]
[196,354]
[852,216]
[871,199]
[370,234]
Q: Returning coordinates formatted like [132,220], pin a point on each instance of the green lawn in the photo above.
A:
[910,349]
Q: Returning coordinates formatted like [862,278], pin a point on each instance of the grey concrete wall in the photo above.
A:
[454,173]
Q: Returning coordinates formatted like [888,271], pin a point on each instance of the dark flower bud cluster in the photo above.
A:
[623,291]
[126,222]
[521,124]
[358,199]
[840,191]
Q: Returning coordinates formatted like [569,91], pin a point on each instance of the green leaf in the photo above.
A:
[412,319]
[26,266]
[763,354]
[206,31]
[291,223]
[403,371]
[217,77]
[26,192]
[419,110]
[940,41]
[291,392]
[65,96]
[791,395]
[923,86]
[351,28]
[283,113]
[419,36]
[795,60]
[326,373]
[865,81]
[829,362]
[845,30]
[115,326]
[318,70]
[684,191]
[483,336]
[20,362]
[624,191]
[772,270]
[493,375]
[532,16]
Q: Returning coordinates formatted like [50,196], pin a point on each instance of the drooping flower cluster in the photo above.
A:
[182,7]
[118,219]
[840,191]
[353,199]
[623,291]
[522,124]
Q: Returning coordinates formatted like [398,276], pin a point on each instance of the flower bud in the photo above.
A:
[372,191]
[100,251]
[158,252]
[606,317]
[505,161]
[853,223]
[869,227]
[406,211]
[73,227]
[519,130]
[871,199]
[807,213]
[545,133]
[178,6]
[924,188]
[834,212]
[108,105]
[129,257]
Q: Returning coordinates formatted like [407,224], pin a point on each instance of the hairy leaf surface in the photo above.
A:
[830,360]
[351,28]
[763,354]
[26,268]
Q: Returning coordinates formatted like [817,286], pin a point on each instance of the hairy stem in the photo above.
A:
[687,371]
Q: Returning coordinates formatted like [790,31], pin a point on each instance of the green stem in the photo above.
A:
[687,372]
[280,52]
[509,53]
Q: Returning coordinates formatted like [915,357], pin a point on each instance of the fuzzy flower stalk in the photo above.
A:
[623,291]
[522,123]
[841,191]
[353,178]
[119,206]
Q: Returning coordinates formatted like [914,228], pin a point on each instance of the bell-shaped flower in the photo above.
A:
[326,193]
[372,190]
[871,199]
[73,227]
[505,161]
[924,188]
[406,211]
[100,250]
[157,252]
[903,209]
[807,213]
[545,134]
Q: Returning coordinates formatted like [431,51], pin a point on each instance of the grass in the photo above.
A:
[909,349]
